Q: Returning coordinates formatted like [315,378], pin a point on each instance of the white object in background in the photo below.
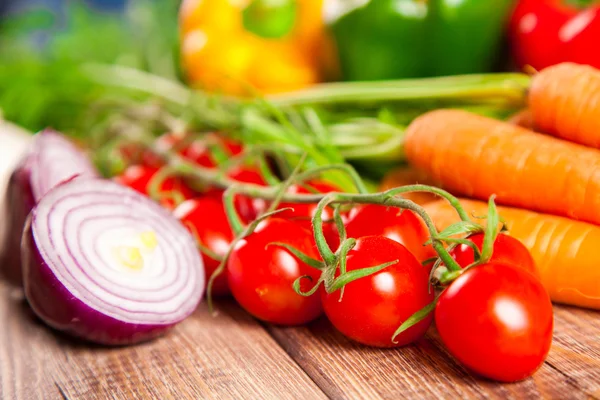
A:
[13,143]
[336,9]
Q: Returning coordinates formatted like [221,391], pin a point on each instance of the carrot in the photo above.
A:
[565,102]
[407,175]
[524,119]
[565,251]
[477,156]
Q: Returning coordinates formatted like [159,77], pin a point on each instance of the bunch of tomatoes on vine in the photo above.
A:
[290,250]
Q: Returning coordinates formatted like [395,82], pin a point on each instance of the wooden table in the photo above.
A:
[232,356]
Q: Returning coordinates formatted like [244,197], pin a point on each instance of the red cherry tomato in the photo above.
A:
[548,32]
[200,152]
[405,227]
[497,320]
[302,213]
[138,178]
[373,307]
[205,218]
[248,208]
[130,153]
[133,153]
[507,250]
[261,276]
[164,142]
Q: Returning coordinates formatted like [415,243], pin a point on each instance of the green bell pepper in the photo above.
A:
[390,39]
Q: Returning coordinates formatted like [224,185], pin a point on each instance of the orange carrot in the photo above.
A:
[407,175]
[524,119]
[565,251]
[477,156]
[565,102]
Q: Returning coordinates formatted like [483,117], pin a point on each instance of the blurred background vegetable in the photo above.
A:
[109,76]
[43,49]
[268,45]
[389,39]
[547,32]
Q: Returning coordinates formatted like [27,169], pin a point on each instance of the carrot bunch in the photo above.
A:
[555,173]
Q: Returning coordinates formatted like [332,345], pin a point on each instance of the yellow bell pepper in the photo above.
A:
[236,46]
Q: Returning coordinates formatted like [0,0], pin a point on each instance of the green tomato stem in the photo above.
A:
[317,222]
[384,198]
[440,192]
[347,277]
[237,226]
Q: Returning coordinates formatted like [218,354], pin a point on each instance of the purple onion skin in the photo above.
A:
[57,307]
[20,202]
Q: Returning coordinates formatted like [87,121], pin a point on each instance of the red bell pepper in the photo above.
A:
[547,32]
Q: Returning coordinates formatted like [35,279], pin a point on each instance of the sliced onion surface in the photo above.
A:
[50,159]
[106,263]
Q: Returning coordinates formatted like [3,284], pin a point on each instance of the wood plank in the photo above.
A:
[25,348]
[229,356]
[232,356]
[576,347]
[344,369]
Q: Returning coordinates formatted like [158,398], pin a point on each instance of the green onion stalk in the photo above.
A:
[362,123]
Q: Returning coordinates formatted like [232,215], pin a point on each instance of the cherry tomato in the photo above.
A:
[247,207]
[507,250]
[261,276]
[164,142]
[130,153]
[138,178]
[302,213]
[205,218]
[133,153]
[373,307]
[403,226]
[200,152]
[497,320]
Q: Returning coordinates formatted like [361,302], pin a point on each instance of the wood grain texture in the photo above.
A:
[576,347]
[25,350]
[345,370]
[229,356]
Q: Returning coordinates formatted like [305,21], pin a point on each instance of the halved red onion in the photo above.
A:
[107,264]
[50,160]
